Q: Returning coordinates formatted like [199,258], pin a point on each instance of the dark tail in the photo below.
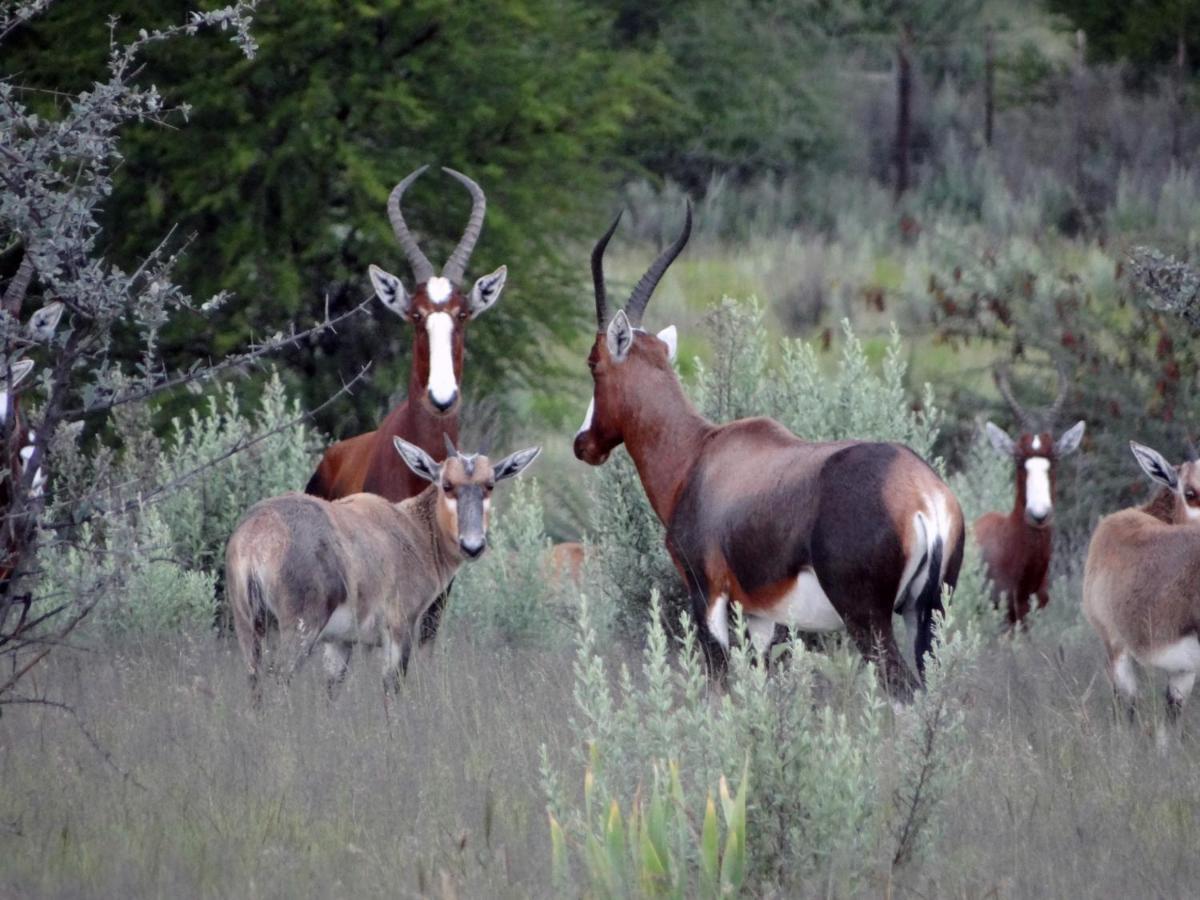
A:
[928,602]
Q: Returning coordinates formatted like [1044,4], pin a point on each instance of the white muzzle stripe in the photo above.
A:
[443,387]
[587,419]
[1037,487]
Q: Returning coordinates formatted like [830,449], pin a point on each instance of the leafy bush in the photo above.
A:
[838,790]
[511,594]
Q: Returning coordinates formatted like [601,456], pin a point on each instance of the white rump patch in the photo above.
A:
[587,419]
[718,620]
[443,387]
[805,607]
[1037,487]
[438,289]
[1181,656]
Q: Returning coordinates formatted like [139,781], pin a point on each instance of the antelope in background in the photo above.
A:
[815,536]
[361,569]
[439,312]
[1141,582]
[1017,547]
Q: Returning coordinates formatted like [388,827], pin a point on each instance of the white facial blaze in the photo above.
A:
[442,385]
[1037,487]
[587,419]
[1037,442]
[3,407]
[437,290]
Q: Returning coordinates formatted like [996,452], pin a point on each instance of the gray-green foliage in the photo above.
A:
[152,567]
[839,788]
[511,594]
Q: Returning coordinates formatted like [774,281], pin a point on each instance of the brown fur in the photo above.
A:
[1141,588]
[300,559]
[748,505]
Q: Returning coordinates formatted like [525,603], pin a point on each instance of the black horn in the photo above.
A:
[1000,376]
[421,266]
[450,448]
[598,273]
[644,288]
[456,265]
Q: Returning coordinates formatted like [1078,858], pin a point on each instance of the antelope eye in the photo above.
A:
[1189,494]
[448,487]
[488,487]
[462,315]
[417,317]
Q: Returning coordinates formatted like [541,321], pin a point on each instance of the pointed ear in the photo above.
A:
[515,464]
[1155,466]
[1070,440]
[417,459]
[43,322]
[620,337]
[486,291]
[1002,443]
[18,372]
[670,337]
[389,289]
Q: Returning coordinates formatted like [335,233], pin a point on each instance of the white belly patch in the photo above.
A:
[1181,656]
[344,626]
[805,607]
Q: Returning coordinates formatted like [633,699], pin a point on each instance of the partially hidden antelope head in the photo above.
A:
[1141,584]
[1017,546]
[361,570]
[815,536]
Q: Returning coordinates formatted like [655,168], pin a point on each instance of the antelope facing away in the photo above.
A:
[816,536]
[1017,547]
[438,311]
[361,569]
[1141,583]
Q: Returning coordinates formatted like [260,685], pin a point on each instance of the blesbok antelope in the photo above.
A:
[816,536]
[361,569]
[438,311]
[1141,582]
[1017,547]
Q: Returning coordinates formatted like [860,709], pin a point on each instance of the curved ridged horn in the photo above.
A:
[456,265]
[1000,376]
[421,266]
[644,288]
[15,295]
[450,448]
[598,273]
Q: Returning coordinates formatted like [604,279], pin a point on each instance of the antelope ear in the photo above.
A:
[18,372]
[1002,443]
[516,463]
[486,291]
[1070,440]
[418,460]
[43,322]
[619,337]
[670,337]
[389,289]
[1155,466]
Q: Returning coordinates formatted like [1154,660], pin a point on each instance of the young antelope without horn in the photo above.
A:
[1141,583]
[361,569]
[814,535]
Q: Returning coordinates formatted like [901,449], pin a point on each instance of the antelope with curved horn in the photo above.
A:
[361,569]
[438,311]
[1017,547]
[1141,582]
[817,536]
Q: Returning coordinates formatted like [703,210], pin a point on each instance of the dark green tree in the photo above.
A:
[285,167]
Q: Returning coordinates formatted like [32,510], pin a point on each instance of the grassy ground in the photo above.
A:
[438,793]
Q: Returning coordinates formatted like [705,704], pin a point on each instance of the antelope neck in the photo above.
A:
[425,428]
[664,435]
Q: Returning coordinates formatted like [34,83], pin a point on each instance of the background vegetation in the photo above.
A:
[898,194]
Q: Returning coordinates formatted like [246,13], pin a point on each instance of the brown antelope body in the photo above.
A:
[1017,547]
[438,311]
[360,569]
[816,536]
[1141,583]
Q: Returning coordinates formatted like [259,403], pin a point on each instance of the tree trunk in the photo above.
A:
[903,145]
